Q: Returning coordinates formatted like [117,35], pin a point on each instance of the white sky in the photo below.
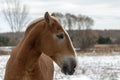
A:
[106,13]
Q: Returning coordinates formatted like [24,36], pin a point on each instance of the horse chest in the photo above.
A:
[34,76]
[38,73]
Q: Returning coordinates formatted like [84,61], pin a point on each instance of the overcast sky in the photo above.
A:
[106,13]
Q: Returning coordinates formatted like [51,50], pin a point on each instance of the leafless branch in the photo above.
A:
[16,15]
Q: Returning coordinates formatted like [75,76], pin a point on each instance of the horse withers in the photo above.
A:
[44,40]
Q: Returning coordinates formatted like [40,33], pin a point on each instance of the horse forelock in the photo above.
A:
[55,18]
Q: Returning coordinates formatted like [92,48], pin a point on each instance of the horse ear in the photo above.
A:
[47,17]
[53,14]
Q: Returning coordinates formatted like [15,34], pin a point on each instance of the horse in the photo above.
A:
[44,41]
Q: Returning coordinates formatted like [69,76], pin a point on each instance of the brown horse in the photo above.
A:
[29,60]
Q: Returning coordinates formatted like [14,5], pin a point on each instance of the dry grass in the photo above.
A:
[97,54]
[101,50]
[4,52]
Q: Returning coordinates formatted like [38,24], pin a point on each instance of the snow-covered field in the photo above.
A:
[89,68]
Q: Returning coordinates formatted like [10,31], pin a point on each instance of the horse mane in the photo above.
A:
[32,24]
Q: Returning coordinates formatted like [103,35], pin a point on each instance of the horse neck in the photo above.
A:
[27,50]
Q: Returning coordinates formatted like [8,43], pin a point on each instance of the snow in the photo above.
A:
[94,68]
[89,68]
[3,61]
[8,48]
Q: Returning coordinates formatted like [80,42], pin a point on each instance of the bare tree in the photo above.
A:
[15,14]
[84,22]
[61,19]
[86,37]
[69,21]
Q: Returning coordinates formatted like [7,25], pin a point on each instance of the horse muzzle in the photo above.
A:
[68,66]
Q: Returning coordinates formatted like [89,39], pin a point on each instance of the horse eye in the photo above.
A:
[60,36]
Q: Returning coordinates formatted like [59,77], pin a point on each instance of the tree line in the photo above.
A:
[79,27]
[71,21]
[17,15]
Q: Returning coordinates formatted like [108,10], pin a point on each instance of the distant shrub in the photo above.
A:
[104,40]
[4,41]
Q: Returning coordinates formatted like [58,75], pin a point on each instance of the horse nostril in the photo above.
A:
[74,66]
[65,69]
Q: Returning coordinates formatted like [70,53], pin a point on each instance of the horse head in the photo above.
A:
[54,41]
[56,44]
